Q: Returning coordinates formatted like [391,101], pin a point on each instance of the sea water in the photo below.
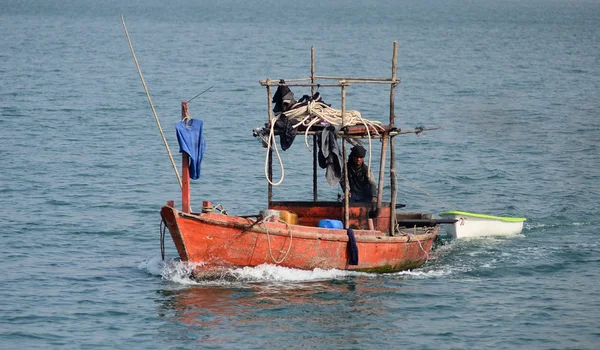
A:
[514,86]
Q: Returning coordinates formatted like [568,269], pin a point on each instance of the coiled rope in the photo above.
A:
[312,113]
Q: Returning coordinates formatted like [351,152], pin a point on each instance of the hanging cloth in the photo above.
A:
[352,248]
[329,155]
[287,133]
[191,141]
[283,98]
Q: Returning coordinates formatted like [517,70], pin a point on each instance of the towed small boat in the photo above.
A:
[345,235]
[481,225]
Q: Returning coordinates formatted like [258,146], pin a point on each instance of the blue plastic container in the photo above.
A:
[327,223]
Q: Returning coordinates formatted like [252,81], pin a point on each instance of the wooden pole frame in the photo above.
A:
[345,157]
[270,155]
[315,148]
[384,143]
[392,148]
[387,137]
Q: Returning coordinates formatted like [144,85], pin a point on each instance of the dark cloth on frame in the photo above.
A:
[329,155]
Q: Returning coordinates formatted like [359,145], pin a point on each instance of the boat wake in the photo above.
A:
[539,226]
[180,272]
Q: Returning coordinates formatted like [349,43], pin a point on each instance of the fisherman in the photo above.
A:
[360,177]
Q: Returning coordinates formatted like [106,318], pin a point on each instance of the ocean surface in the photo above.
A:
[514,86]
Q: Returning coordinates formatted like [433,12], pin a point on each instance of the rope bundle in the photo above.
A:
[317,113]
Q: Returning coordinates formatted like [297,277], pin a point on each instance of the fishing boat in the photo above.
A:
[481,225]
[345,235]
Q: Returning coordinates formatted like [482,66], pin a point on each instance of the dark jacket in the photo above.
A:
[362,183]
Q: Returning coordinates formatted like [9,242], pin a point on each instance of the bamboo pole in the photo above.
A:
[384,143]
[393,86]
[353,81]
[415,131]
[151,104]
[325,77]
[386,80]
[344,155]
[312,93]
[270,155]
[392,149]
[290,80]
[272,83]
[347,82]
[380,136]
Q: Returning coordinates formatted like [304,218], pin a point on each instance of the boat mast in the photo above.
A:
[185,168]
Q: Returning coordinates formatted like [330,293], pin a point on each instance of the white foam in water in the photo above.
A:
[267,272]
[172,270]
[154,266]
[423,274]
[180,272]
[542,225]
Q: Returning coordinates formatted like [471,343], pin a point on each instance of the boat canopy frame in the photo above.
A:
[385,133]
[386,136]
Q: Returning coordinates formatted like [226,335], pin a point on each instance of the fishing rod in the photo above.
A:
[150,102]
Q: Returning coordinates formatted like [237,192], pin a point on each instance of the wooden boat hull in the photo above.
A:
[219,242]
[481,225]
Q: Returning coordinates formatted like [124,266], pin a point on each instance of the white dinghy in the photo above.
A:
[481,225]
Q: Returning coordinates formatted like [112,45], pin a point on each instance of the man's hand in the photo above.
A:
[374,210]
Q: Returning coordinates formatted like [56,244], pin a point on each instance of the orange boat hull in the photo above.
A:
[219,242]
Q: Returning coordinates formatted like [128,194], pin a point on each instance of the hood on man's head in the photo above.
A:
[358,151]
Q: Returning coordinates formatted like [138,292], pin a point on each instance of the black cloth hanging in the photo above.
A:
[287,133]
[329,155]
[283,98]
[352,248]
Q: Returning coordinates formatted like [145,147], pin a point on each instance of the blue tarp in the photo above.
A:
[191,141]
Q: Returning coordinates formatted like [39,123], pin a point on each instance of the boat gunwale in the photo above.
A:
[283,229]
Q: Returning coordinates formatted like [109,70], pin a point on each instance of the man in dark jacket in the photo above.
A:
[360,177]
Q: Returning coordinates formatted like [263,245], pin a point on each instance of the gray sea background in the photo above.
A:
[514,86]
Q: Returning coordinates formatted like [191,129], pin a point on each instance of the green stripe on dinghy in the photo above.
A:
[484,216]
